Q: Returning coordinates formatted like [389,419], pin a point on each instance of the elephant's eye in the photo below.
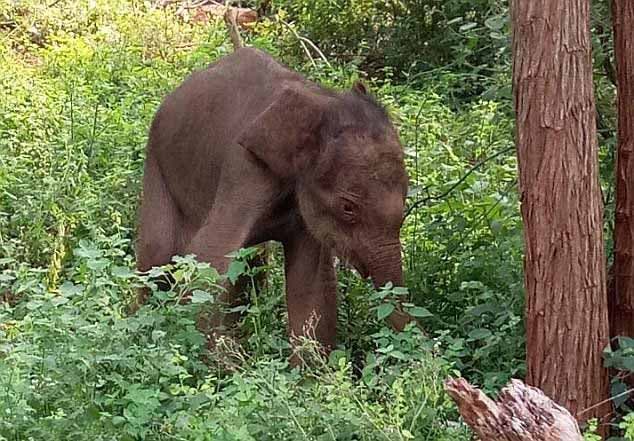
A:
[348,211]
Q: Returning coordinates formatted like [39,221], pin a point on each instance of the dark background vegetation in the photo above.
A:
[80,82]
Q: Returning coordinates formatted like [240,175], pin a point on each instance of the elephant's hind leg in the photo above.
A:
[159,224]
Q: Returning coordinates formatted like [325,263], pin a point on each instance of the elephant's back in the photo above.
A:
[193,133]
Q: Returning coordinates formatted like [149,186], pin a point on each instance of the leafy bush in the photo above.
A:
[77,367]
[407,37]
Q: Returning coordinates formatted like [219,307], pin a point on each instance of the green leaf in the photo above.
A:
[33,305]
[58,300]
[414,191]
[627,363]
[118,420]
[178,275]
[480,334]
[335,356]
[69,289]
[617,390]
[6,277]
[199,296]
[420,312]
[498,36]
[98,264]
[454,20]
[158,334]
[384,310]
[87,250]
[625,342]
[495,23]
[407,434]
[496,226]
[400,290]
[398,355]
[472,284]
[122,272]
[477,311]
[236,269]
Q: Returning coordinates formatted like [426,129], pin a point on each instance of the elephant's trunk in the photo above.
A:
[386,266]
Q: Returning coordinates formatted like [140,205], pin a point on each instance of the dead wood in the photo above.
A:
[521,413]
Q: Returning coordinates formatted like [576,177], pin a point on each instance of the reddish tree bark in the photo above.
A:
[564,266]
[622,297]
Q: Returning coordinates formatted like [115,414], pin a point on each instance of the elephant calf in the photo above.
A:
[249,151]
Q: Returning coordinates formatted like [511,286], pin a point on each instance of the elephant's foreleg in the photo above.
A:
[223,233]
[311,290]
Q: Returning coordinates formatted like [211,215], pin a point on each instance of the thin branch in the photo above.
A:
[314,46]
[89,152]
[303,40]
[601,403]
[420,202]
[310,57]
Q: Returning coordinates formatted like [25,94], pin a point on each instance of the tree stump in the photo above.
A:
[521,413]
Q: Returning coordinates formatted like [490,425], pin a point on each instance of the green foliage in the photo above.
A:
[407,37]
[627,424]
[75,366]
[590,434]
[464,243]
[75,121]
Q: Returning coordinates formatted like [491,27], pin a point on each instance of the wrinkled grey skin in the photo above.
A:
[248,151]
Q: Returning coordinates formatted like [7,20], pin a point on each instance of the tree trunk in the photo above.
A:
[521,413]
[622,299]
[564,264]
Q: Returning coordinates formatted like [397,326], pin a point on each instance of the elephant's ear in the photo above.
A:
[286,135]
[360,88]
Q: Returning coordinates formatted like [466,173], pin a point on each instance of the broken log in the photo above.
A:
[521,413]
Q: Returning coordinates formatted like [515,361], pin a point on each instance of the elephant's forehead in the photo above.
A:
[385,163]
[370,145]
[387,175]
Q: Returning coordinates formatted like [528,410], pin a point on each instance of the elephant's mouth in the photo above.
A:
[362,270]
[352,260]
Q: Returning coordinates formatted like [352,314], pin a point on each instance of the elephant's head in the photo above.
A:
[343,156]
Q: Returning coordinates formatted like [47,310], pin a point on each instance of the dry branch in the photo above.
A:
[521,413]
